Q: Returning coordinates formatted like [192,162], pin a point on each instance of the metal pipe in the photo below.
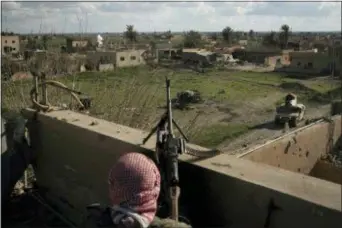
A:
[44,89]
[169,113]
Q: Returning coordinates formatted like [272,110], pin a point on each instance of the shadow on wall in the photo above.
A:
[15,154]
[193,205]
[330,168]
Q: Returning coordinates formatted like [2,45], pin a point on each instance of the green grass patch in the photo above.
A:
[131,96]
[212,136]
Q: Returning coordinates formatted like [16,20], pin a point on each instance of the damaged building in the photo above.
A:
[125,58]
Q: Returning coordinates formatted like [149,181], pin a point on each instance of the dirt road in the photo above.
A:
[266,130]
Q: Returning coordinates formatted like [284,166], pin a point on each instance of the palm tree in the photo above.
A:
[227,34]
[251,34]
[130,33]
[285,33]
[270,39]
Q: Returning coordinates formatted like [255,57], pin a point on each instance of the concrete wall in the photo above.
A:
[300,60]
[12,42]
[106,67]
[129,58]
[299,151]
[75,152]
[105,57]
[327,171]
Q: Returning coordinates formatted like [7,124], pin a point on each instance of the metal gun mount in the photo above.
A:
[166,123]
[168,147]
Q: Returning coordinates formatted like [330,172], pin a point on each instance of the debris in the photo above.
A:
[185,98]
[93,123]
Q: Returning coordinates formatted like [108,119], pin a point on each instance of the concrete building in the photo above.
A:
[73,45]
[335,53]
[314,63]
[10,44]
[255,56]
[124,58]
[130,58]
[198,56]
[243,42]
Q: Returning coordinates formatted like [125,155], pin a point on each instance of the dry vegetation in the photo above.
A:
[136,97]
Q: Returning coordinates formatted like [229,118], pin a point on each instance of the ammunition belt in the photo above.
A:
[201,153]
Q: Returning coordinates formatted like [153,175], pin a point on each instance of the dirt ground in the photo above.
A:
[259,115]
[266,130]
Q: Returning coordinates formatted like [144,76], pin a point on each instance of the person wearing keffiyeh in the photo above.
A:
[134,187]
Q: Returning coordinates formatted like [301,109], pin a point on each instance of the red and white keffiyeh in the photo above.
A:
[134,183]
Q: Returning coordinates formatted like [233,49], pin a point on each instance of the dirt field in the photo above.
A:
[238,107]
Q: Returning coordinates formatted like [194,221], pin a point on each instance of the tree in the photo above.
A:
[31,43]
[45,40]
[214,36]
[270,39]
[192,39]
[130,33]
[227,34]
[285,33]
[251,34]
[168,35]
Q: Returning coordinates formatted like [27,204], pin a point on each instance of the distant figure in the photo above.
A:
[134,187]
[291,99]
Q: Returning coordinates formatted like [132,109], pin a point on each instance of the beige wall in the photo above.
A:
[95,56]
[298,151]
[79,43]
[10,41]
[129,58]
[327,171]
[75,152]
[300,61]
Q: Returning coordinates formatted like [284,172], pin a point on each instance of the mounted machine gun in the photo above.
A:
[168,147]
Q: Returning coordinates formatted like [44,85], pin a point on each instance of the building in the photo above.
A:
[243,42]
[198,56]
[73,45]
[130,58]
[125,58]
[257,56]
[312,63]
[10,44]
[335,53]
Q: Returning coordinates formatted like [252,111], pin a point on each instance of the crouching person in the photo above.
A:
[134,186]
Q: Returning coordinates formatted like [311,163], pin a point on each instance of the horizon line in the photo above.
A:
[61,33]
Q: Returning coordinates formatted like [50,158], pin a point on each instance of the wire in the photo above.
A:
[48,107]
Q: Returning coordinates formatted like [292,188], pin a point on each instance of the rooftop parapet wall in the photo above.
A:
[298,151]
[75,152]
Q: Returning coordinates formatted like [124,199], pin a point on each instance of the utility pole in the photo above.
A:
[333,61]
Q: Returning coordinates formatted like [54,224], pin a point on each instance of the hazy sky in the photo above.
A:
[96,16]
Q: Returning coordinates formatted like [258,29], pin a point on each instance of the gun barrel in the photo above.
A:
[169,107]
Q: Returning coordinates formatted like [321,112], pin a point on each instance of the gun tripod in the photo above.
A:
[168,147]
[161,125]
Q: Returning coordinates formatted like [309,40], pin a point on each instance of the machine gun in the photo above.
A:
[168,148]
